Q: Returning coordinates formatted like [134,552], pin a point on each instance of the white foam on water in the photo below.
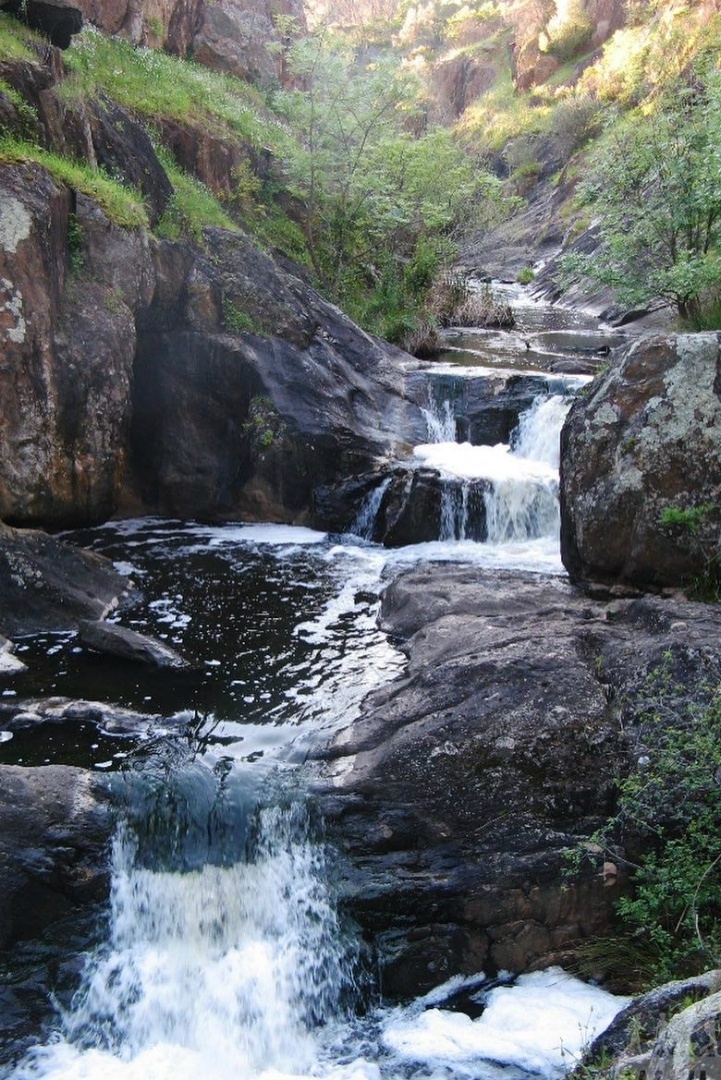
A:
[541,1024]
[492,463]
[223,972]
[266,534]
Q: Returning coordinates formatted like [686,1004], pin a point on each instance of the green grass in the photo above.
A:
[13,38]
[152,84]
[191,208]
[120,205]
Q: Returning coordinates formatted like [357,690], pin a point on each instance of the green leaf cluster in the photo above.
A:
[669,808]
[655,187]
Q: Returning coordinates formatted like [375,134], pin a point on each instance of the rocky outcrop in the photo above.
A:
[109,639]
[491,756]
[48,585]
[226,383]
[57,20]
[67,350]
[661,1036]
[54,831]
[641,468]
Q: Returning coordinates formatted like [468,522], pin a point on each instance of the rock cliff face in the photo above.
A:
[641,466]
[240,37]
[149,375]
[495,752]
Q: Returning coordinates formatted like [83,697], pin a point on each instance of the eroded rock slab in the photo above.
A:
[113,640]
[48,585]
[54,831]
[458,792]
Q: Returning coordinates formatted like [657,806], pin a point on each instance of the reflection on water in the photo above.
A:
[543,338]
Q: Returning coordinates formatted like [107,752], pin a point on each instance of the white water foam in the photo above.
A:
[538,433]
[221,973]
[238,972]
[540,1024]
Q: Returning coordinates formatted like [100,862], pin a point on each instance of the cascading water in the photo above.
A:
[222,972]
[230,963]
[516,484]
[440,420]
[364,523]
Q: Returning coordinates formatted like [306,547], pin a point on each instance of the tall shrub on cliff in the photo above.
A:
[381,205]
[655,185]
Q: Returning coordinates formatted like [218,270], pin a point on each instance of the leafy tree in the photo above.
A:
[656,188]
[381,206]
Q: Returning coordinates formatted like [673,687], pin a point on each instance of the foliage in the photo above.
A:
[669,807]
[236,320]
[656,187]
[191,207]
[525,275]
[264,425]
[376,199]
[697,528]
[15,39]
[123,207]
[568,32]
[155,85]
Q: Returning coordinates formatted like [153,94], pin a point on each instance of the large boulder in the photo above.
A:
[251,392]
[55,828]
[48,585]
[641,466]
[456,795]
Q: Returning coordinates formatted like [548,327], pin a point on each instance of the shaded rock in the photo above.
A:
[457,793]
[114,640]
[57,20]
[124,150]
[48,585]
[251,422]
[420,506]
[643,443]
[110,719]
[54,832]
[486,410]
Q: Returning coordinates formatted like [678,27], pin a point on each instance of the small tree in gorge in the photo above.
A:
[656,187]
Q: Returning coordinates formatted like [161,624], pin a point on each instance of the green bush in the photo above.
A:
[669,810]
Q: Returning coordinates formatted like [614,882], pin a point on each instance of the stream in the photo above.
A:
[223,953]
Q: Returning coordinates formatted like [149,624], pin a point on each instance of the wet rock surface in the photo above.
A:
[126,644]
[48,585]
[109,719]
[54,831]
[641,469]
[492,755]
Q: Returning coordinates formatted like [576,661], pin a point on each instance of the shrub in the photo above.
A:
[669,810]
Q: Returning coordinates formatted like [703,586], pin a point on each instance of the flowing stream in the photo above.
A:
[223,955]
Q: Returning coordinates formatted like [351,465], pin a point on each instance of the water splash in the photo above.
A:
[364,524]
[227,969]
[440,421]
[537,435]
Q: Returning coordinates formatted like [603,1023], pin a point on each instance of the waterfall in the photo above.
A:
[503,494]
[225,971]
[537,435]
[440,421]
[525,509]
[364,524]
